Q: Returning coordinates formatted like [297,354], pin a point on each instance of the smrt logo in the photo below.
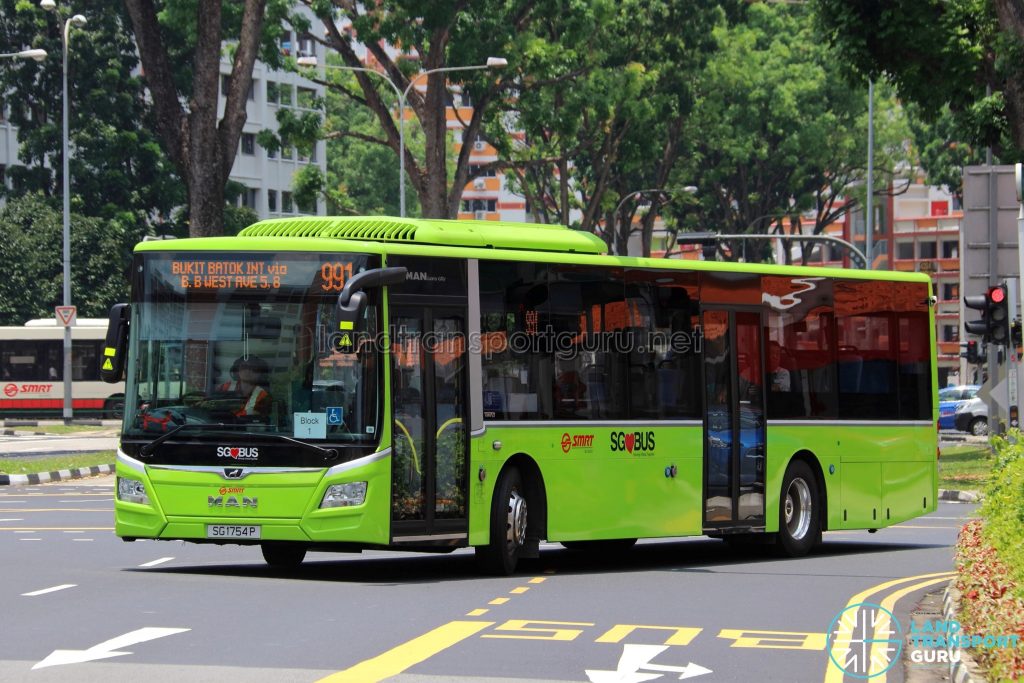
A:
[11,390]
[224,490]
[639,442]
[238,453]
[571,441]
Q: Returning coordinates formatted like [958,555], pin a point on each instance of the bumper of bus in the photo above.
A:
[180,503]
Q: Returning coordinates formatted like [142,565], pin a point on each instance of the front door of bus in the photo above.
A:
[429,444]
[734,429]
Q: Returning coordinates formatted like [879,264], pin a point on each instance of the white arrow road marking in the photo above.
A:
[53,589]
[637,657]
[107,648]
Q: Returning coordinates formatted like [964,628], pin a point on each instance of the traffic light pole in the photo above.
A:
[1013,298]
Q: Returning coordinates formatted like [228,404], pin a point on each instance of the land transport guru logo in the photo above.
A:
[864,640]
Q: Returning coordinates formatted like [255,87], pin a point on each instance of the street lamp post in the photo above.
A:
[38,55]
[78,21]
[492,63]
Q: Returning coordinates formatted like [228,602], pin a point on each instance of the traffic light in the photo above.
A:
[971,352]
[994,325]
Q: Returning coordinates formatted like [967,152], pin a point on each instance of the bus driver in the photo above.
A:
[249,381]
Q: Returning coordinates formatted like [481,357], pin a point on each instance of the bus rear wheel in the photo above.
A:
[799,511]
[508,526]
[283,555]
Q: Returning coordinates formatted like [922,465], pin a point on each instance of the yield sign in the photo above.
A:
[66,315]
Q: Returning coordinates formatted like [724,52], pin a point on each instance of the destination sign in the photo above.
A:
[258,273]
[228,274]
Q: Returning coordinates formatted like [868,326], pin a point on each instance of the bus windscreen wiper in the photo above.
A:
[148,449]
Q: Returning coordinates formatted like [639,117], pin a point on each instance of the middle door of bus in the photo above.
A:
[429,437]
[734,429]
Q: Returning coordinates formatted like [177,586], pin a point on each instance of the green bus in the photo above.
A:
[343,384]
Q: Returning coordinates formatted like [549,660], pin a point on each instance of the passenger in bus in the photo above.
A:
[250,387]
[780,379]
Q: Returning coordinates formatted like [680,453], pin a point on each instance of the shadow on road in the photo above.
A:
[688,555]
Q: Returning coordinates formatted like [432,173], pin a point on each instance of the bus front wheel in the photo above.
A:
[799,511]
[283,555]
[508,526]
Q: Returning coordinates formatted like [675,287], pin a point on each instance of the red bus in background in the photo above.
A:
[32,369]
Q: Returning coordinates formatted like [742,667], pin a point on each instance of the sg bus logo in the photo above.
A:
[639,442]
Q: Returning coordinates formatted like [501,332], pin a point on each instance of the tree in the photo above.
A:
[202,147]
[776,132]
[117,168]
[964,54]
[30,256]
[432,36]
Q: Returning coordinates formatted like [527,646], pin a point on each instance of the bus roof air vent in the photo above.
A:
[481,234]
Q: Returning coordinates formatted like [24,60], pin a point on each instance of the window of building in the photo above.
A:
[285,42]
[272,201]
[3,111]
[950,291]
[248,197]
[950,333]
[248,144]
[928,250]
[271,153]
[3,175]
[306,98]
[478,171]
[904,250]
[305,46]
[286,94]
[286,203]
[273,92]
[951,249]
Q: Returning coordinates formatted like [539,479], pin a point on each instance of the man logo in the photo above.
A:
[232,502]
[232,472]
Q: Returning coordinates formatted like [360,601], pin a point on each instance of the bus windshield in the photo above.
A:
[251,342]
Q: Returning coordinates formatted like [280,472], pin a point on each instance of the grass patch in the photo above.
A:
[66,462]
[965,467]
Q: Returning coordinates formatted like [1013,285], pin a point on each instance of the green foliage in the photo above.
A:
[117,168]
[31,239]
[1003,506]
[939,54]
[776,131]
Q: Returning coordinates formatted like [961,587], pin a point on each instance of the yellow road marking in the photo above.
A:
[539,579]
[398,659]
[520,590]
[890,604]
[498,601]
[833,674]
[477,612]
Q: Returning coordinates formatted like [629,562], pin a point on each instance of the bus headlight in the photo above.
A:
[344,495]
[131,491]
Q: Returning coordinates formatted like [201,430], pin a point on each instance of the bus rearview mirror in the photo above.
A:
[115,347]
[352,300]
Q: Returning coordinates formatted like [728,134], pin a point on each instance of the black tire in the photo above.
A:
[113,408]
[283,555]
[612,545]
[799,511]
[978,426]
[508,526]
